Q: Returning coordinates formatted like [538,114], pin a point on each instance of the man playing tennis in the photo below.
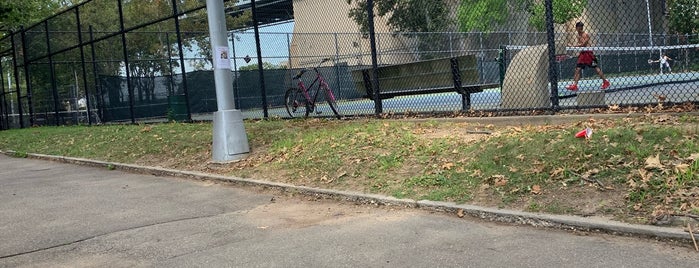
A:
[664,63]
[585,59]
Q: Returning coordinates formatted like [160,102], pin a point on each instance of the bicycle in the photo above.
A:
[298,99]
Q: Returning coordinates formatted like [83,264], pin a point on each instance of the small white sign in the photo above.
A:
[221,59]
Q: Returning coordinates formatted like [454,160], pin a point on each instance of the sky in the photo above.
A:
[273,43]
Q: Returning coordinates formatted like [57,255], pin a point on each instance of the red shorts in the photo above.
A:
[587,59]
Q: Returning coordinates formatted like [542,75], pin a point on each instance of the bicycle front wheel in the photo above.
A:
[295,102]
[332,102]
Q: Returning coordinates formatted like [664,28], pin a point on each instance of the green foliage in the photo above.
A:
[16,13]
[563,11]
[683,16]
[409,17]
[483,15]
[404,15]
[265,65]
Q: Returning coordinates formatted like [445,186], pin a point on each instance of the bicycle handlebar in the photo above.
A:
[303,71]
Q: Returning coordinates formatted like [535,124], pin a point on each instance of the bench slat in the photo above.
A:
[424,77]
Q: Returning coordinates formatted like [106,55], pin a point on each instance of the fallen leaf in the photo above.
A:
[637,206]
[536,189]
[500,180]
[681,168]
[653,162]
[460,213]
[447,166]
[557,172]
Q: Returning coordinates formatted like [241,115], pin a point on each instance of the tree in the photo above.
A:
[410,17]
[265,65]
[404,15]
[683,17]
[485,15]
[16,13]
[563,11]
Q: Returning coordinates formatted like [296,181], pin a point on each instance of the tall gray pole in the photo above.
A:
[230,142]
[650,28]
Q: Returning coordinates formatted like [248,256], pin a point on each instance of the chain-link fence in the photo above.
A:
[114,60]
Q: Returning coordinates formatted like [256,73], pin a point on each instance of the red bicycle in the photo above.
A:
[298,100]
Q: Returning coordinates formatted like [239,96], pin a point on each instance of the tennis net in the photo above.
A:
[624,61]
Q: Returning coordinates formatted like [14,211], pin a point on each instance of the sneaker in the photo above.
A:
[605,84]
[572,87]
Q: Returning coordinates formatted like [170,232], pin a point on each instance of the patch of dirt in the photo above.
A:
[295,212]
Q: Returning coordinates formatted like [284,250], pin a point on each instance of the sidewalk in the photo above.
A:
[563,222]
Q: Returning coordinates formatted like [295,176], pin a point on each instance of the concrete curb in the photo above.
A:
[564,222]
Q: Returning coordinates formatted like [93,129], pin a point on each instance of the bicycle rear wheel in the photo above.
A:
[330,98]
[295,102]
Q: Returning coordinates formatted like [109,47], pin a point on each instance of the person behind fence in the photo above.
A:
[664,63]
[585,59]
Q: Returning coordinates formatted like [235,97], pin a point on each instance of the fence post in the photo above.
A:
[14,63]
[4,123]
[27,79]
[236,94]
[98,88]
[185,89]
[378,106]
[126,61]
[337,67]
[263,90]
[52,69]
[82,61]
[550,37]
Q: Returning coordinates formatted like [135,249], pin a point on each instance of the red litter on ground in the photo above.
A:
[585,133]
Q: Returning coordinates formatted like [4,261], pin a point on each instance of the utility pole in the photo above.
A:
[230,142]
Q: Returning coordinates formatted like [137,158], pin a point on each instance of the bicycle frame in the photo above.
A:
[321,84]
[303,95]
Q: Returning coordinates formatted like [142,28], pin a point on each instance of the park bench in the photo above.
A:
[456,74]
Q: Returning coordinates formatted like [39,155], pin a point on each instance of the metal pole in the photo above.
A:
[288,51]
[550,36]
[84,70]
[230,142]
[171,88]
[185,89]
[54,86]
[378,106]
[4,123]
[126,62]
[337,66]
[98,88]
[261,71]
[650,30]
[26,79]
[236,87]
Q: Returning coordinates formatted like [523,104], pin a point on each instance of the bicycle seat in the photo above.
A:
[299,74]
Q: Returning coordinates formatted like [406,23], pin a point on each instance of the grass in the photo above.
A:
[630,169]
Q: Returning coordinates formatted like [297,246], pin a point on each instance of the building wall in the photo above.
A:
[323,29]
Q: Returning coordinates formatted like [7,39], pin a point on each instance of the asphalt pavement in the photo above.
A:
[58,214]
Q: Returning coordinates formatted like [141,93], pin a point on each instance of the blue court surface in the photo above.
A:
[624,90]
